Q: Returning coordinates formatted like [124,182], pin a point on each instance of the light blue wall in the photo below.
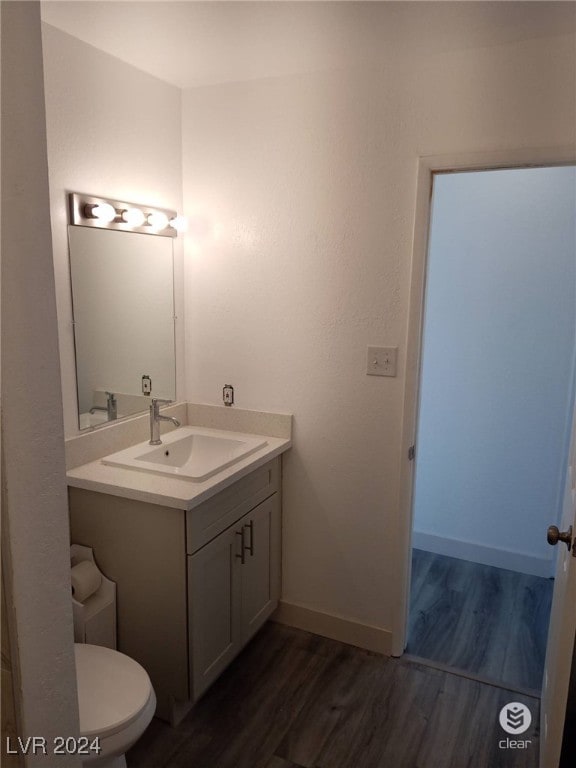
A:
[499,337]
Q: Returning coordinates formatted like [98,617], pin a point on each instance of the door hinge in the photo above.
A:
[411,453]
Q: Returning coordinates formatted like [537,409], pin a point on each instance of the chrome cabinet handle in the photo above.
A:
[241,556]
[250,546]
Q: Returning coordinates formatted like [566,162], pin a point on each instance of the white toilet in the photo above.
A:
[116,702]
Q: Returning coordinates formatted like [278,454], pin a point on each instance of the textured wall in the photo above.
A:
[497,366]
[112,131]
[35,518]
[309,182]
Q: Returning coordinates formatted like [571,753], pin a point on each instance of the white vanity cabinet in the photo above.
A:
[233,586]
[194,585]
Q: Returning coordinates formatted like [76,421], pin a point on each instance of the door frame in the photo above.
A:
[428,165]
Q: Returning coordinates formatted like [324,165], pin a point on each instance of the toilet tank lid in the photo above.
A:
[113,689]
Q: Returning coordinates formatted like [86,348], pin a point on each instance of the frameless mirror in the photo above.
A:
[123,306]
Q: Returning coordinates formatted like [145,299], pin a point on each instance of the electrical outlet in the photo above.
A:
[228,394]
[381,361]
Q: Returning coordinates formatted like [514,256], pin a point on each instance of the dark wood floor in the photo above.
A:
[488,621]
[295,700]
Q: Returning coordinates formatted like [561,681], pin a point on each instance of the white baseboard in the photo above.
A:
[478,553]
[336,628]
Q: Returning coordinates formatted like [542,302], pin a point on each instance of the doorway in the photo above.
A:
[496,384]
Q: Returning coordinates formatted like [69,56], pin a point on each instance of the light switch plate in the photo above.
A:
[381,361]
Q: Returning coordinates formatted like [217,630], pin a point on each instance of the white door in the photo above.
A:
[562,628]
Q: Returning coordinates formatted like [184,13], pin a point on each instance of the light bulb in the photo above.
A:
[157,220]
[133,216]
[103,212]
[179,223]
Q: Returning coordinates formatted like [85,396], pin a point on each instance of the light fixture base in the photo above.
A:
[80,204]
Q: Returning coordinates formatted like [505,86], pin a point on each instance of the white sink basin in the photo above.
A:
[191,453]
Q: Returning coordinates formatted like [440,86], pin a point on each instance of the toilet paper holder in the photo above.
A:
[95,618]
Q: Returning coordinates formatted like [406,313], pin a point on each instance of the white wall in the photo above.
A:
[309,182]
[497,367]
[113,131]
[35,533]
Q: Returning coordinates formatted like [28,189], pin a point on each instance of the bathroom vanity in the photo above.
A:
[197,565]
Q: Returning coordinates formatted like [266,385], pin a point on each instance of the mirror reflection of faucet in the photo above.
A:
[155,419]
[111,407]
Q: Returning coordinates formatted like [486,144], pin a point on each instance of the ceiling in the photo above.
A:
[192,44]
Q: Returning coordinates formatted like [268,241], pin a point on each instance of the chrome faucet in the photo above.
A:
[155,419]
[111,407]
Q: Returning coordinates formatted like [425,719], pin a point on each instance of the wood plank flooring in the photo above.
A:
[489,622]
[296,700]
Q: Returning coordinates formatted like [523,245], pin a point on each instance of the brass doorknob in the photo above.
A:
[554,536]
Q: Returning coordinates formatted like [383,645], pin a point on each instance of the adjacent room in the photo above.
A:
[496,390]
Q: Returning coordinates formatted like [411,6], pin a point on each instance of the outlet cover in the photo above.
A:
[381,361]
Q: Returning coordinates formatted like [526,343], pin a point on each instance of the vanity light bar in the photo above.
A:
[89,211]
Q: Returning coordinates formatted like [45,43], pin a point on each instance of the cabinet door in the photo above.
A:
[260,573]
[214,608]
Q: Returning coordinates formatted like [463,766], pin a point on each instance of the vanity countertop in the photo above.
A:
[169,491]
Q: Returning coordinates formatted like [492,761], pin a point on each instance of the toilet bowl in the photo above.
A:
[116,702]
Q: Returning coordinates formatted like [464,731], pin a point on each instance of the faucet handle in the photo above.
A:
[155,406]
